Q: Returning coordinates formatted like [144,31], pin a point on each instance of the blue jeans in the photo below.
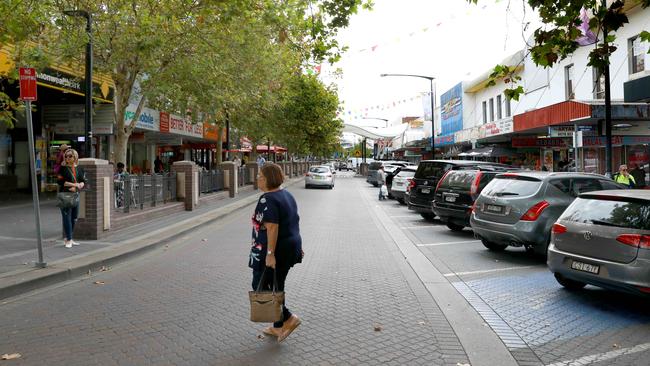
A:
[267,285]
[69,217]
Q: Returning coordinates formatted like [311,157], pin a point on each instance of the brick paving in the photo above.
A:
[187,304]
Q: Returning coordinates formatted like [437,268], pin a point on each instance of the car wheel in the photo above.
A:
[332,186]
[401,201]
[494,246]
[428,216]
[569,284]
[306,186]
[455,227]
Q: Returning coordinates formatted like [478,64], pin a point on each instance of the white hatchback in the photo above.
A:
[322,176]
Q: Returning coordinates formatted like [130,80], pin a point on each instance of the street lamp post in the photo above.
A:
[88,111]
[433,103]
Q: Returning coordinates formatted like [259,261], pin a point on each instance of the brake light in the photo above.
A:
[635,240]
[307,175]
[441,179]
[644,289]
[474,189]
[533,213]
[558,229]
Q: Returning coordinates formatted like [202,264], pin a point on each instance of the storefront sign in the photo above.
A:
[495,128]
[180,126]
[69,83]
[210,132]
[561,131]
[149,118]
[468,134]
[592,141]
[444,140]
[245,143]
[534,141]
[164,122]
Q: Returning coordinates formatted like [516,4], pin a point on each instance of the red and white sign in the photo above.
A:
[181,126]
[27,84]
[164,122]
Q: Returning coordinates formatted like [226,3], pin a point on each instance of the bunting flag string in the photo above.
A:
[357,113]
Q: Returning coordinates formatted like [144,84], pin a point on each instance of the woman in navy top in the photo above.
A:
[276,244]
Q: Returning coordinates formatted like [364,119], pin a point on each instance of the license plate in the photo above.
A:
[493,208]
[425,190]
[450,199]
[585,267]
[318,177]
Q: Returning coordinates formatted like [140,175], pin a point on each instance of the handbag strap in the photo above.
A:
[275,281]
[74,174]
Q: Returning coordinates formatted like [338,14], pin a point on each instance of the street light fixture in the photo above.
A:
[433,103]
[88,111]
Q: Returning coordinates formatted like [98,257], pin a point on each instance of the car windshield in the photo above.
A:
[374,165]
[632,215]
[319,170]
[459,180]
[507,185]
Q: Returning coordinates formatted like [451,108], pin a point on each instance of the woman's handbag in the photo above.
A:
[67,199]
[266,306]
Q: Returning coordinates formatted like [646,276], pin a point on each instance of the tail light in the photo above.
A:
[411,184]
[441,179]
[644,289]
[474,188]
[635,240]
[533,213]
[307,174]
[558,229]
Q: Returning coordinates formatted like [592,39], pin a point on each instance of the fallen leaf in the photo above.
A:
[99,283]
[11,356]
[377,328]
[104,269]
[135,279]
[204,239]
[260,336]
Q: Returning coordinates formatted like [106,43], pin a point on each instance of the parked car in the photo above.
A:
[519,208]
[456,192]
[388,165]
[401,182]
[603,239]
[426,179]
[343,166]
[321,175]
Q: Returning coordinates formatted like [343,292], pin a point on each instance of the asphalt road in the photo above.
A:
[361,301]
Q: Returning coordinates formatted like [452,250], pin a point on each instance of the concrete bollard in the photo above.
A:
[187,183]
[253,169]
[95,200]
[230,177]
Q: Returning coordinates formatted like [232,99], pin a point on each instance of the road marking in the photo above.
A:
[417,227]
[487,271]
[599,357]
[448,243]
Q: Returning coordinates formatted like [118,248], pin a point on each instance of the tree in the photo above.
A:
[562,39]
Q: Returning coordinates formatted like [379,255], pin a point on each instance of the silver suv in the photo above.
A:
[519,209]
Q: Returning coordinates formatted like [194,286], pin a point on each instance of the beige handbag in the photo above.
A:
[266,306]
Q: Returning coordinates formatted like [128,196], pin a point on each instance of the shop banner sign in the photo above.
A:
[70,83]
[451,111]
[164,122]
[496,128]
[444,140]
[180,126]
[561,131]
[468,134]
[592,141]
[149,118]
[210,132]
[534,141]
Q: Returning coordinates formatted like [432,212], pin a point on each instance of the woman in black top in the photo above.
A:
[70,179]
[276,244]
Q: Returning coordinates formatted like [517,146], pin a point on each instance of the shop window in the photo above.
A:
[507,102]
[599,83]
[636,54]
[568,82]
[484,112]
[491,109]
[499,115]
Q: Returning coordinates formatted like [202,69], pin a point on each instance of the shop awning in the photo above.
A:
[488,152]
[274,148]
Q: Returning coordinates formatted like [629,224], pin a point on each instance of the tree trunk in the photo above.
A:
[219,146]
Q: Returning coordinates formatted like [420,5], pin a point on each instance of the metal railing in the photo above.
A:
[211,181]
[138,191]
[243,176]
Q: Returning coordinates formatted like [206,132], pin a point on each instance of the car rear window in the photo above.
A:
[406,174]
[431,170]
[318,170]
[374,165]
[459,179]
[632,215]
[512,185]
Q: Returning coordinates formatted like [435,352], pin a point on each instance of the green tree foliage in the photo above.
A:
[561,38]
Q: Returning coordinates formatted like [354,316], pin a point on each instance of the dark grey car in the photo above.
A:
[518,209]
[603,239]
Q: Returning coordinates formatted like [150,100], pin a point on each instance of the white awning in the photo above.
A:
[376,133]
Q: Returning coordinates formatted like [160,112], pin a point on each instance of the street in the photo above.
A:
[361,296]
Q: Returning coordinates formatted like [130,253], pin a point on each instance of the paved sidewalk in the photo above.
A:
[17,271]
[186,304]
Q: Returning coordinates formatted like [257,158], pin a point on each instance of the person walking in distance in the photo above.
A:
[276,244]
[381,181]
[70,179]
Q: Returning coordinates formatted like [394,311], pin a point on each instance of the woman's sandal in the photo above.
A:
[272,331]
[289,326]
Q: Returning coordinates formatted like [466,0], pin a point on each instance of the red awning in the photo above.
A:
[556,114]
[274,148]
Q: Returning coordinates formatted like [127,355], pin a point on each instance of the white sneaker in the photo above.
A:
[74,242]
[68,244]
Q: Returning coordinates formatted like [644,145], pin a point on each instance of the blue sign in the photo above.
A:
[451,110]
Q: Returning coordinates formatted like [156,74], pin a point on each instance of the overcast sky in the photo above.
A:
[451,40]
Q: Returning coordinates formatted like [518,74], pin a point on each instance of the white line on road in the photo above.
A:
[599,357]
[417,227]
[487,271]
[448,243]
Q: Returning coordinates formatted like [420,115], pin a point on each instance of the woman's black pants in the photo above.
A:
[267,285]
